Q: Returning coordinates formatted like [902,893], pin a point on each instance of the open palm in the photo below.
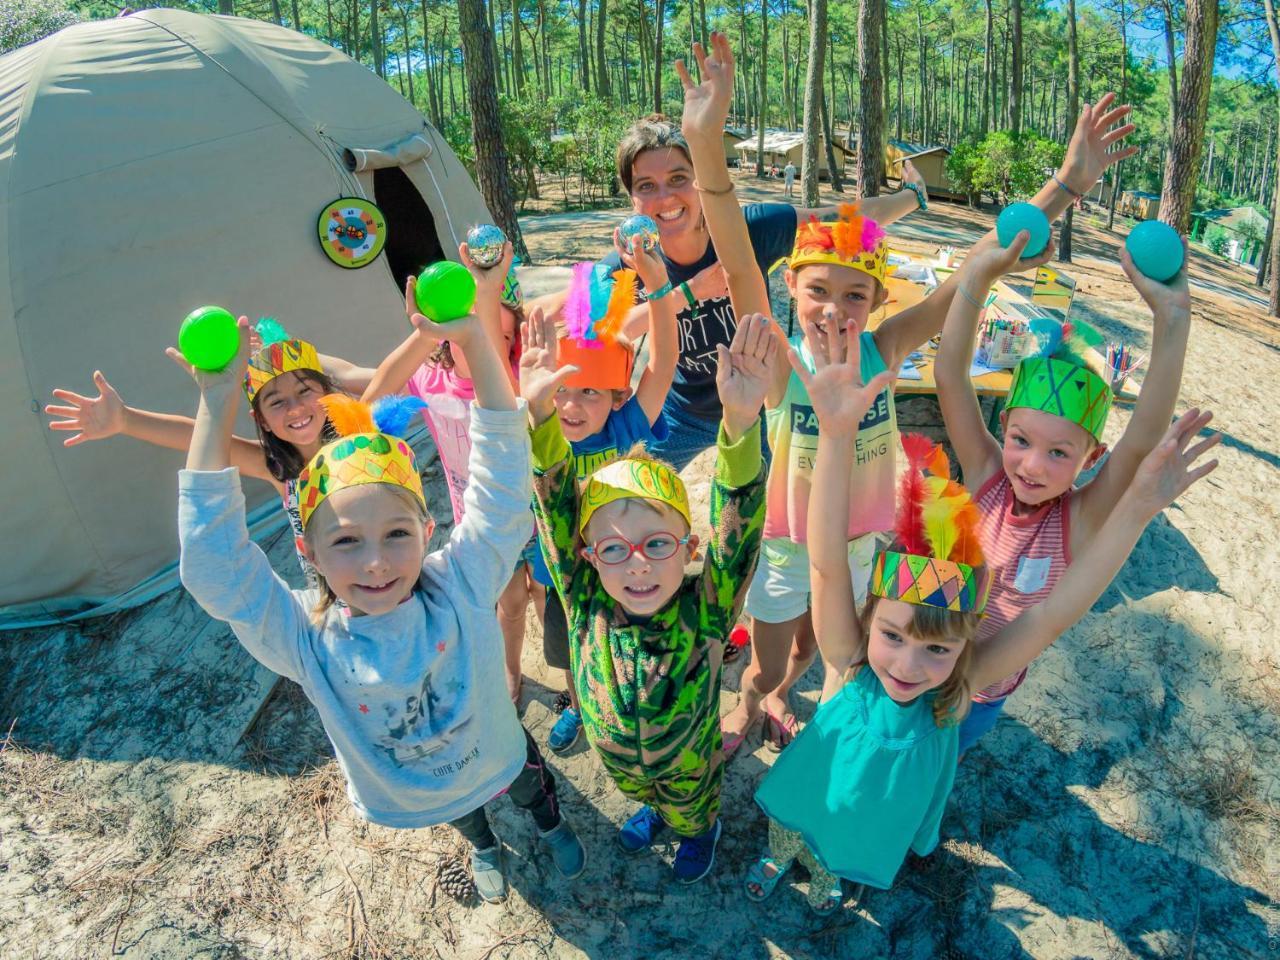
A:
[839,397]
[1169,469]
[1090,152]
[745,370]
[93,418]
[540,375]
[706,104]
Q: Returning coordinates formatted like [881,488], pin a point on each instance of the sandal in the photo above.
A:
[766,883]
[781,731]
[730,742]
[835,898]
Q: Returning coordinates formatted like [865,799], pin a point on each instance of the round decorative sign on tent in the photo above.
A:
[352,231]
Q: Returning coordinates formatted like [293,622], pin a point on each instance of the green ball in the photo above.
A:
[446,291]
[1017,217]
[1156,250]
[209,338]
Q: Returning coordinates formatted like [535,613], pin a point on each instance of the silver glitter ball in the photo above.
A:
[638,228]
[485,243]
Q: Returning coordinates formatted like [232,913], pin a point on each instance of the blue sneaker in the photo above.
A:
[565,733]
[566,850]
[696,856]
[641,830]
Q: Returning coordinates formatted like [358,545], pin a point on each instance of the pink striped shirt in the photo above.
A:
[1026,556]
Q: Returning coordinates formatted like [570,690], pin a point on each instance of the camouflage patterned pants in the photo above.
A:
[686,797]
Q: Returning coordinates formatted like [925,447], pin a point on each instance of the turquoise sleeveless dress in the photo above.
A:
[867,779]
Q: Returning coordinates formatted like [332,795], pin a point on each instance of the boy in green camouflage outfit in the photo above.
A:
[648,641]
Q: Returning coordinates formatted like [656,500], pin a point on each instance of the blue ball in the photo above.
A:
[1156,250]
[1017,217]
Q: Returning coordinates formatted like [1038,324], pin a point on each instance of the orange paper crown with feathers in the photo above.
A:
[851,241]
[369,449]
[937,560]
[594,312]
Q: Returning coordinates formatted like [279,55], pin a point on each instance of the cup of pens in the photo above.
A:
[1004,342]
[1121,363]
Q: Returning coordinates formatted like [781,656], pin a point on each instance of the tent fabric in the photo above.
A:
[149,165]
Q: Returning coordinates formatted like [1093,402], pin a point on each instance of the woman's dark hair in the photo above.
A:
[654,132]
[283,459]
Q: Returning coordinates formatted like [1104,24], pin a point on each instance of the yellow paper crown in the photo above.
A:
[277,358]
[362,455]
[852,241]
[627,478]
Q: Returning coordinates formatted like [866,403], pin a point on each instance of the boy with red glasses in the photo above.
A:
[646,646]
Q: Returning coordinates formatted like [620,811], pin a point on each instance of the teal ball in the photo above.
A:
[209,338]
[1017,217]
[1156,250]
[445,291]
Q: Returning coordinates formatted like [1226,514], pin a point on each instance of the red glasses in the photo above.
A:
[615,550]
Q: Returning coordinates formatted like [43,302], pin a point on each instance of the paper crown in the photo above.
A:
[1060,381]
[368,450]
[278,354]
[511,294]
[851,241]
[627,478]
[594,311]
[939,561]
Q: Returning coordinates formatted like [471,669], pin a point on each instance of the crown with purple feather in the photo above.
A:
[851,241]
[369,449]
[594,311]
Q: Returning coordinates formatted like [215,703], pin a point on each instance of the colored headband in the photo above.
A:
[369,450]
[1060,382]
[627,478]
[511,294]
[939,562]
[594,311]
[279,354]
[852,241]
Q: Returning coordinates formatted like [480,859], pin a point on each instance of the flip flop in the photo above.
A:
[730,742]
[787,726]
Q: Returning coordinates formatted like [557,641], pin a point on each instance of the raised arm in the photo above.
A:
[488,309]
[394,372]
[976,449]
[346,376]
[706,108]
[664,345]
[1164,475]
[840,399]
[1171,326]
[885,209]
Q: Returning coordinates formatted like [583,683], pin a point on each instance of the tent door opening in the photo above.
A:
[411,229]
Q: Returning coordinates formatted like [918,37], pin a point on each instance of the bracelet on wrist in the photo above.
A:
[689,298]
[661,292]
[921,202]
[715,193]
[1058,181]
[968,296]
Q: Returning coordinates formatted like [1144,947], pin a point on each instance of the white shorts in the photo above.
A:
[779,590]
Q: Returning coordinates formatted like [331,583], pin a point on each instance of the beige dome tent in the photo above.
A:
[151,164]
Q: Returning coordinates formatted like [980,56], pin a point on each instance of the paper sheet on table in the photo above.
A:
[981,369]
[909,371]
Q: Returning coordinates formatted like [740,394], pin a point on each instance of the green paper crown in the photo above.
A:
[1064,389]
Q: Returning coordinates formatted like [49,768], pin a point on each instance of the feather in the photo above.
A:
[919,450]
[943,500]
[393,414]
[269,329]
[348,415]
[621,300]
[1077,343]
[872,234]
[908,526]
[577,308]
[601,288]
[846,232]
[813,237]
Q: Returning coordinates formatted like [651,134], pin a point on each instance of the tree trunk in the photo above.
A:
[584,65]
[375,37]
[1171,53]
[657,57]
[1273,235]
[602,61]
[988,87]
[228,9]
[1015,81]
[517,49]
[871,20]
[828,127]
[297,17]
[762,111]
[1182,160]
[486,125]
[408,50]
[276,17]
[1073,110]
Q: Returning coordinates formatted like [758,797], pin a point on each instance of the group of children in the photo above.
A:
[925,603]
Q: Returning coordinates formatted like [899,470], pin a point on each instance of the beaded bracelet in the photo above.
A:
[1078,196]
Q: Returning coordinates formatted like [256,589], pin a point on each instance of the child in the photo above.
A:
[283,382]
[432,372]
[405,677]
[868,778]
[1034,521]
[646,651]
[835,273]
[599,415]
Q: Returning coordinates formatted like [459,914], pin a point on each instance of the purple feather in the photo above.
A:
[577,308]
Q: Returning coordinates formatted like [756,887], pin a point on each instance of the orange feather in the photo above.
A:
[348,415]
[621,300]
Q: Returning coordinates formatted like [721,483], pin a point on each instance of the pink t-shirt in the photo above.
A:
[1026,555]
[793,438]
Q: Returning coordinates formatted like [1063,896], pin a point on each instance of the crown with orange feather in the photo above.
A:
[369,449]
[594,311]
[937,560]
[850,241]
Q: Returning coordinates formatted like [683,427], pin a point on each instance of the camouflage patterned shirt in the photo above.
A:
[649,690]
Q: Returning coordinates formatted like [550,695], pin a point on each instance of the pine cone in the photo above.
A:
[455,880]
[562,703]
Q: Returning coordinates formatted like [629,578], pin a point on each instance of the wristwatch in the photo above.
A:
[915,188]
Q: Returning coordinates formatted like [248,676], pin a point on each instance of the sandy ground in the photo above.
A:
[1128,805]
